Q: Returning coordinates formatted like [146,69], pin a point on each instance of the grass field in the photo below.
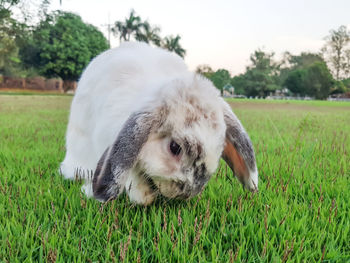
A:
[301,213]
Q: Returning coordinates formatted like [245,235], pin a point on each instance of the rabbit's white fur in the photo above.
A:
[117,83]
[128,79]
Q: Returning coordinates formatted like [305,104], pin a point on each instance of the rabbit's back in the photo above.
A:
[124,77]
[131,66]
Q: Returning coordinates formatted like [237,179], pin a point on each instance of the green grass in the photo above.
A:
[301,213]
[32,93]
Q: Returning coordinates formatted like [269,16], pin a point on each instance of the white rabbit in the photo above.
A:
[140,121]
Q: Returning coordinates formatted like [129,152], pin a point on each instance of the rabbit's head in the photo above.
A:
[176,142]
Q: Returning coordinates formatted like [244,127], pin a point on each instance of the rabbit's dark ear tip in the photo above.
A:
[104,188]
[102,182]
[250,181]
[252,185]
[101,194]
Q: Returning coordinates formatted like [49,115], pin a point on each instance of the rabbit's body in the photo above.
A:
[146,98]
[114,85]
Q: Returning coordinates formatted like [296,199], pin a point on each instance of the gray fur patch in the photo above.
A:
[130,140]
[192,148]
[200,178]
[101,162]
[109,177]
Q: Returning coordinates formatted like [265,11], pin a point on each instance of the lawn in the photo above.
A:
[301,213]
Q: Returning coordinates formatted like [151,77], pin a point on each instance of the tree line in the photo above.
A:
[316,75]
[134,28]
[61,44]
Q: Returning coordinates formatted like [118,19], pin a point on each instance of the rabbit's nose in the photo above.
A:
[181,186]
[185,190]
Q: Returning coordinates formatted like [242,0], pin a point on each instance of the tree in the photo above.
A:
[204,70]
[149,34]
[5,7]
[295,81]
[318,80]
[308,74]
[336,51]
[27,10]
[304,59]
[346,83]
[261,76]
[314,80]
[259,83]
[220,78]
[6,4]
[131,26]
[62,45]
[338,87]
[9,61]
[240,84]
[172,43]
[347,63]
[11,32]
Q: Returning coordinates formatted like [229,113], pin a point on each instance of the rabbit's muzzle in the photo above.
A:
[179,190]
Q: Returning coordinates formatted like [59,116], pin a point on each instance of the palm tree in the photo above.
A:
[131,26]
[149,34]
[134,27]
[119,29]
[173,44]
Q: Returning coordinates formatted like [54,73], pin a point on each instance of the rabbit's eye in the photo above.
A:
[175,148]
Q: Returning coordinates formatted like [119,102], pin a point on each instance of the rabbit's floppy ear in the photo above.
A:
[238,152]
[117,161]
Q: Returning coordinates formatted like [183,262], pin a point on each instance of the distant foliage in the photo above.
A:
[8,46]
[205,70]
[149,34]
[318,80]
[346,83]
[220,78]
[260,78]
[5,6]
[172,43]
[261,75]
[308,75]
[337,52]
[134,28]
[10,34]
[295,81]
[62,45]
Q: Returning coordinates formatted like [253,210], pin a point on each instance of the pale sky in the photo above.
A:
[224,33]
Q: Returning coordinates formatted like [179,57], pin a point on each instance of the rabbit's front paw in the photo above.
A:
[139,190]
